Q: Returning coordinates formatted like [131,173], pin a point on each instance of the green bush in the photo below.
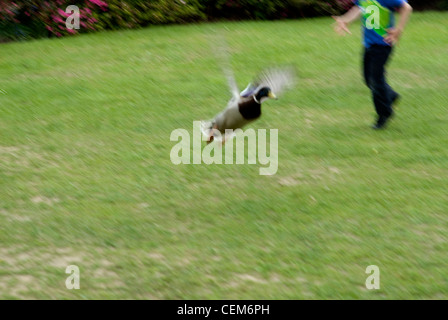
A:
[139,13]
[25,19]
[243,9]
[425,4]
[271,9]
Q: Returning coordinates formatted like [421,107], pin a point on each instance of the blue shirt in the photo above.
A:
[378,19]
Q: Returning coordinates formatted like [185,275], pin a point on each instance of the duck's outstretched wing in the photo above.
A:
[222,54]
[231,80]
[278,79]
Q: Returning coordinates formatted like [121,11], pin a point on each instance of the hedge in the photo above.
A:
[25,19]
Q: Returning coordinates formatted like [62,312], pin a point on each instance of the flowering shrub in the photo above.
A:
[138,13]
[272,9]
[23,19]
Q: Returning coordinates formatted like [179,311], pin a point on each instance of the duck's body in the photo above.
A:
[239,113]
[245,107]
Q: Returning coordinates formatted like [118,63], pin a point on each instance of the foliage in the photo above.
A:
[25,19]
[137,13]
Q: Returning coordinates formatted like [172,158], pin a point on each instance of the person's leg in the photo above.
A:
[383,94]
[366,66]
[392,93]
[395,96]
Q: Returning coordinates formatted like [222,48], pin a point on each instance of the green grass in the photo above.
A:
[86,177]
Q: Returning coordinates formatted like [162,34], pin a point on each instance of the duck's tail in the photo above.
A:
[206,127]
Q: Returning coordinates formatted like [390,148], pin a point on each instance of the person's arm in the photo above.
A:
[394,34]
[342,22]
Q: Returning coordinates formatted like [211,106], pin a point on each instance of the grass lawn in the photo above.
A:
[86,176]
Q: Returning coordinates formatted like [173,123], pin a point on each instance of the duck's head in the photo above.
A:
[264,93]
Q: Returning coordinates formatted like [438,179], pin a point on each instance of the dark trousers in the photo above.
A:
[375,60]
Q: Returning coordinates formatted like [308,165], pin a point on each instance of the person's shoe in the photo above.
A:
[381,122]
[396,101]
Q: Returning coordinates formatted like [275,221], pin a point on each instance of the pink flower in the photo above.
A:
[49,28]
[99,3]
[58,19]
[63,13]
